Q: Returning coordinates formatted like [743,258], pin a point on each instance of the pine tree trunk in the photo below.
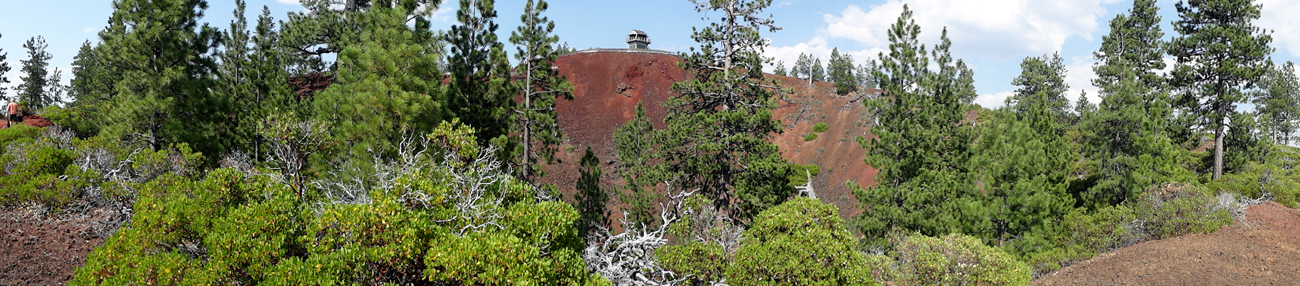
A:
[1218,150]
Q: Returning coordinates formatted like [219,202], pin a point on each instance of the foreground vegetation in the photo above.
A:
[393,175]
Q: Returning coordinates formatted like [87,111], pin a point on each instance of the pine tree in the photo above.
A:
[779,69]
[535,117]
[591,199]
[818,73]
[637,148]
[1023,158]
[92,82]
[1023,161]
[1220,54]
[716,138]
[35,77]
[803,68]
[1045,75]
[1128,136]
[163,58]
[866,74]
[388,86]
[481,93]
[326,27]
[252,78]
[922,147]
[1278,103]
[4,68]
[841,72]
[1083,108]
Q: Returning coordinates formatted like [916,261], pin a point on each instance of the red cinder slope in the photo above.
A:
[609,83]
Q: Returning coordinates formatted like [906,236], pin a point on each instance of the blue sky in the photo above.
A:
[991,35]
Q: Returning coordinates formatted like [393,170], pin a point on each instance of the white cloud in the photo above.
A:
[1278,15]
[292,2]
[445,12]
[1079,76]
[816,47]
[994,100]
[998,29]
[89,29]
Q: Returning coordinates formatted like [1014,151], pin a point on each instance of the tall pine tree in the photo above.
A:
[1127,137]
[34,74]
[1041,79]
[1278,103]
[922,144]
[388,86]
[540,87]
[481,93]
[1220,54]
[716,138]
[164,60]
[4,68]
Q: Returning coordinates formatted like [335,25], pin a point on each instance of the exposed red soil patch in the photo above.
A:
[1261,248]
[307,85]
[42,249]
[608,84]
[30,120]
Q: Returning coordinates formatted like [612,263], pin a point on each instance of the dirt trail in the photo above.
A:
[1263,248]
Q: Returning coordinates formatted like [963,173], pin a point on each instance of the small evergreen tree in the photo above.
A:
[1083,108]
[922,148]
[1278,103]
[818,73]
[779,69]
[866,74]
[1044,75]
[481,93]
[841,72]
[388,86]
[803,68]
[637,148]
[34,74]
[591,199]
[1220,54]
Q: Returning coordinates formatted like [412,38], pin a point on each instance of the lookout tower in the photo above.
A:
[638,40]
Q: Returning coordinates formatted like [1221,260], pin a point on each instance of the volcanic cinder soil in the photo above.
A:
[607,85]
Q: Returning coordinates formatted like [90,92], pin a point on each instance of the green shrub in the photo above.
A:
[84,123]
[810,137]
[228,227]
[1278,178]
[1175,210]
[1168,211]
[16,135]
[820,127]
[955,260]
[800,242]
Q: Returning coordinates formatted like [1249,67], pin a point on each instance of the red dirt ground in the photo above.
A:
[1263,248]
[608,84]
[37,248]
[30,120]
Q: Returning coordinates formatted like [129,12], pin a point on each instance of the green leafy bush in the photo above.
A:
[1164,212]
[457,221]
[955,260]
[820,127]
[810,137]
[800,242]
